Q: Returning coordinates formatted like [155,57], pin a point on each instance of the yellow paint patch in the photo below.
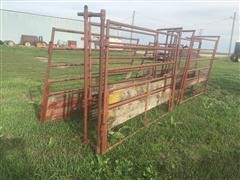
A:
[110,114]
[114,97]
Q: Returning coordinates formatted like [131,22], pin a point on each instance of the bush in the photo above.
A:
[1,42]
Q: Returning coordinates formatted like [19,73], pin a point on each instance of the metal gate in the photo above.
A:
[134,88]
[197,69]
[125,72]
[58,101]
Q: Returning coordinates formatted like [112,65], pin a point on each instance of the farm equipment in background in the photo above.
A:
[9,43]
[29,40]
[62,44]
[72,44]
[235,57]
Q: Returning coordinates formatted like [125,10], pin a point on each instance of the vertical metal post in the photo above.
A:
[86,73]
[211,64]
[198,51]
[185,73]
[90,65]
[155,54]
[165,54]
[134,53]
[146,104]
[175,69]
[104,127]
[101,80]
[46,84]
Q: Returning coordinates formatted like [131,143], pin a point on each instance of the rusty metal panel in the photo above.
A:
[59,104]
[120,114]
[197,69]
[63,105]
[133,89]
[125,76]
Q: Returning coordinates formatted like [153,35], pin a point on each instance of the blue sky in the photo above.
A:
[214,18]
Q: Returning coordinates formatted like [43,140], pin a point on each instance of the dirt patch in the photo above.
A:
[45,60]
[61,67]
[42,59]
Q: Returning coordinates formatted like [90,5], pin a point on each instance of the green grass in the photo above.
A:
[200,139]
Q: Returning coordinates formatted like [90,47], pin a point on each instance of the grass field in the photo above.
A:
[198,140]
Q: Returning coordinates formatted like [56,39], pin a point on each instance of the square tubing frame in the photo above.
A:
[170,64]
[104,128]
[190,59]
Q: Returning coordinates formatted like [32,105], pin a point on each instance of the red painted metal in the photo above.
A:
[196,69]
[110,71]
[118,62]
[69,99]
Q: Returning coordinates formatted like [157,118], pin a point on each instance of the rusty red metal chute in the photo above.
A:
[125,72]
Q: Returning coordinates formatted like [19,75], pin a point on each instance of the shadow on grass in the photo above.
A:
[233,87]
[14,160]
[35,95]
[75,122]
[209,165]
[222,165]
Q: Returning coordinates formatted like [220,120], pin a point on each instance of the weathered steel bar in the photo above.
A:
[85,15]
[101,81]
[155,53]
[139,67]
[64,80]
[187,62]
[68,48]
[124,57]
[175,69]
[68,31]
[46,84]
[211,60]
[186,81]
[134,31]
[104,127]
[65,91]
[196,69]
[117,37]
[131,26]
[145,74]
[207,38]
[65,65]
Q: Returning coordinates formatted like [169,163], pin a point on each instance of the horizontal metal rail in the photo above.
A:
[201,59]
[65,79]
[131,26]
[64,65]
[79,90]
[138,67]
[197,69]
[132,84]
[133,31]
[67,30]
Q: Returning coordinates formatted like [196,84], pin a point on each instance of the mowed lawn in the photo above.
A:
[200,139]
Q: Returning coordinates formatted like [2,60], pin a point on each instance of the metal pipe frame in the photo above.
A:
[160,62]
[47,93]
[109,71]
[197,70]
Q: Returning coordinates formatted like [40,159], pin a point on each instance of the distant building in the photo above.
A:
[72,44]
[29,39]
